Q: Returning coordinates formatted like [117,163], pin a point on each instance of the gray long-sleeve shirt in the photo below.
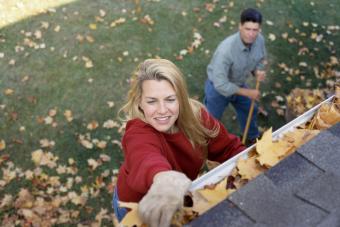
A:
[233,62]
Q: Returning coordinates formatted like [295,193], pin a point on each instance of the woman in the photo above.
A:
[168,137]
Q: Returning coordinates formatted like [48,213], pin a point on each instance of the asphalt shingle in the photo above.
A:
[292,172]
[301,190]
[261,200]
[332,220]
[335,130]
[224,214]
[324,150]
[322,191]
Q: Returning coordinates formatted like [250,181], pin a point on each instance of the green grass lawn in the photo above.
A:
[79,58]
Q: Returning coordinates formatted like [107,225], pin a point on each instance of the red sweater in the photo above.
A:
[148,151]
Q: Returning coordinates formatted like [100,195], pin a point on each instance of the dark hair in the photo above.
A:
[251,15]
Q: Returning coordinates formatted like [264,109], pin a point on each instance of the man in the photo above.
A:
[238,56]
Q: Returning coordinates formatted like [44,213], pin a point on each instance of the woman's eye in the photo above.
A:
[171,100]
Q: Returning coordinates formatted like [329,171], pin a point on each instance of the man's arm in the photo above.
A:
[251,93]
[218,71]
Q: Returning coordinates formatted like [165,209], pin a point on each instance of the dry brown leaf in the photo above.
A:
[329,114]
[249,168]
[25,199]
[110,124]
[46,143]
[87,144]
[2,145]
[264,147]
[101,144]
[212,196]
[37,156]
[93,26]
[9,91]
[93,163]
[320,124]
[6,201]
[68,115]
[117,22]
[131,218]
[298,137]
[283,148]
[200,204]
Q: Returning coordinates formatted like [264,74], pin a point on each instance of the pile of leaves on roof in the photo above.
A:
[300,100]
[267,153]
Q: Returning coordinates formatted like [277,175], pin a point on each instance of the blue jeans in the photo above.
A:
[216,104]
[120,212]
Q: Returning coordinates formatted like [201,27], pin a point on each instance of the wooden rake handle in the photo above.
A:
[251,110]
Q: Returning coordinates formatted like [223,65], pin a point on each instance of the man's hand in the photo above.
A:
[251,93]
[260,75]
[164,198]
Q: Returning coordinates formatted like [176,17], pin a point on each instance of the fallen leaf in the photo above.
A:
[131,218]
[68,115]
[2,145]
[92,125]
[93,163]
[93,26]
[271,37]
[37,156]
[249,168]
[213,195]
[9,91]
[264,147]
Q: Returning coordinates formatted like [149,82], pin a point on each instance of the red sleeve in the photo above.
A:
[225,145]
[143,157]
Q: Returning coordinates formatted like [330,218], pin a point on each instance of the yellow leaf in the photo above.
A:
[9,91]
[68,115]
[37,156]
[110,124]
[283,148]
[331,116]
[102,13]
[88,64]
[11,62]
[57,28]
[298,137]
[93,163]
[105,158]
[101,144]
[89,39]
[211,196]
[271,37]
[87,144]
[110,104]
[249,168]
[46,143]
[269,22]
[52,112]
[92,125]
[93,26]
[313,35]
[2,145]
[131,218]
[25,199]
[264,147]
[48,120]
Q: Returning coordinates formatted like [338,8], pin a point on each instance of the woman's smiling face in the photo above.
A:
[160,104]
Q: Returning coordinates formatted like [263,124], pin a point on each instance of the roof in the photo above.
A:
[301,190]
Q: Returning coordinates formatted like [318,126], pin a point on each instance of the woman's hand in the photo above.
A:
[164,198]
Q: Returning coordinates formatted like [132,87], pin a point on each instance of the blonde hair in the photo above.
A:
[189,118]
